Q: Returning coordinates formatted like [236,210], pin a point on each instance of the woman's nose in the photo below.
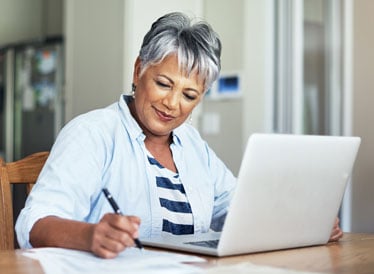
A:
[171,101]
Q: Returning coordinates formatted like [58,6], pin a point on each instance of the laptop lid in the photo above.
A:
[288,195]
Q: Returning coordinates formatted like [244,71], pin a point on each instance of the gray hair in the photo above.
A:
[196,45]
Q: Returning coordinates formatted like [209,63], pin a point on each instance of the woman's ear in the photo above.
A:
[137,69]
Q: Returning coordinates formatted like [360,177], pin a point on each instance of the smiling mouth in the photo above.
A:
[163,116]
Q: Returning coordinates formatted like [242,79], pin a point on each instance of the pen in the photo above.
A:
[118,211]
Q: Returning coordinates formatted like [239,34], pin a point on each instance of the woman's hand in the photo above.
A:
[113,234]
[105,239]
[336,233]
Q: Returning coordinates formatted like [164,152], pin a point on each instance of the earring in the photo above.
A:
[190,119]
[133,88]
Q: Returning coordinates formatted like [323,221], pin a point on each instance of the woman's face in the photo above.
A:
[164,96]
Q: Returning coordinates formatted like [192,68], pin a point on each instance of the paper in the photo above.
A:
[132,260]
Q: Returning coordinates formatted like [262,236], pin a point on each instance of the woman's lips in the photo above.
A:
[163,116]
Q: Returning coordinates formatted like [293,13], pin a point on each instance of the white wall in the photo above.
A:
[20,20]
[246,30]
[53,17]
[94,54]
[363,111]
[258,62]
[227,19]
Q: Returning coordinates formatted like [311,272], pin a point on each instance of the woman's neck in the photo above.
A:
[157,141]
[160,149]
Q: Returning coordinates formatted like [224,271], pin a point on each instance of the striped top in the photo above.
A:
[176,213]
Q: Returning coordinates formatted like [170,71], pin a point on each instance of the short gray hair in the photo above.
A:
[196,45]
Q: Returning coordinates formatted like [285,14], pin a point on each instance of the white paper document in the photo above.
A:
[132,260]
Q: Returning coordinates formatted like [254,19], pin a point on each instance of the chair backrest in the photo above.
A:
[23,171]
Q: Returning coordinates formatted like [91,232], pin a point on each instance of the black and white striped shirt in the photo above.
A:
[176,213]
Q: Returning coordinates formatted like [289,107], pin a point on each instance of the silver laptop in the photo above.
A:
[288,195]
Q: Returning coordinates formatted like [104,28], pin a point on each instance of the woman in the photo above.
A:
[157,167]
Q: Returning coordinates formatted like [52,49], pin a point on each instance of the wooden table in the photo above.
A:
[354,254]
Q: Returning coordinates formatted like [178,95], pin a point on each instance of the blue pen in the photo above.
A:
[118,211]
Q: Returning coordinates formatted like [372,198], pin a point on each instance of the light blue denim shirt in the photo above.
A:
[105,148]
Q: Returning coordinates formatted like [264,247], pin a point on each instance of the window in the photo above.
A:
[309,90]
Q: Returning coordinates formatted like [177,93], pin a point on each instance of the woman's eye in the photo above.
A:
[164,85]
[190,97]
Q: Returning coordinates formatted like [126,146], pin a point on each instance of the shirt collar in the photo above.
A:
[128,120]
[177,135]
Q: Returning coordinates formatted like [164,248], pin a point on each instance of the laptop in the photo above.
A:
[288,194]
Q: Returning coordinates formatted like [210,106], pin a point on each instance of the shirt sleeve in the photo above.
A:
[224,186]
[69,180]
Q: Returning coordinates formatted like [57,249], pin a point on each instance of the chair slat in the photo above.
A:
[25,171]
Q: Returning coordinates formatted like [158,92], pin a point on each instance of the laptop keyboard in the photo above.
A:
[209,244]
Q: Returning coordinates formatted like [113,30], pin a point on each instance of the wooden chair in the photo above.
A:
[23,171]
